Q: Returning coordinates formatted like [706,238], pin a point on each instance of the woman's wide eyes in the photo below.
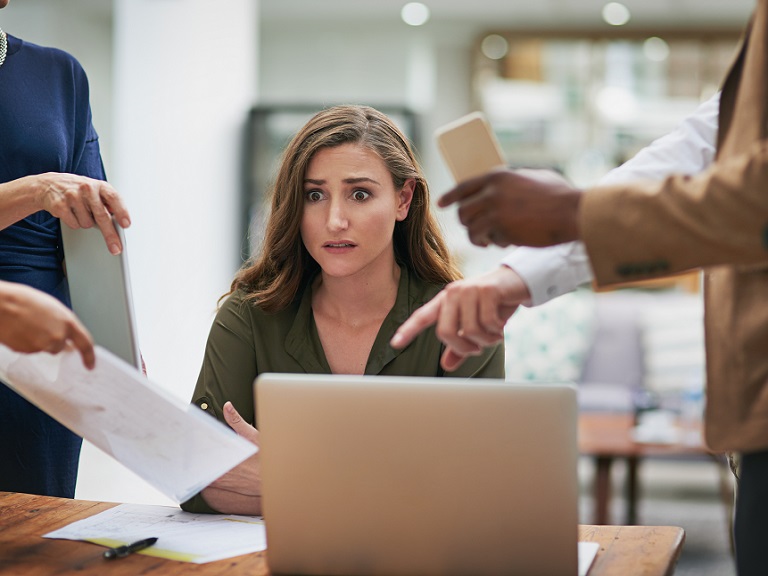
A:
[317,195]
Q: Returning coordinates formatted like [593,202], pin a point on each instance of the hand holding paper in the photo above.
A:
[172,445]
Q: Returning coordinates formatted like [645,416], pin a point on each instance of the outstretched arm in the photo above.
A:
[469,315]
[543,273]
[689,149]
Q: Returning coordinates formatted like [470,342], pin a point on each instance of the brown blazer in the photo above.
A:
[717,220]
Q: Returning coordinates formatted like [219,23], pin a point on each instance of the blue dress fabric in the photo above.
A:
[45,126]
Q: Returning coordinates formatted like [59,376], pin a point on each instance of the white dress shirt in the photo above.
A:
[689,149]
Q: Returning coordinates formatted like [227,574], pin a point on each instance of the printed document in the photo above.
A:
[173,445]
[182,536]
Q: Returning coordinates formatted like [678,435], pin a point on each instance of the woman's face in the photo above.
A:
[350,209]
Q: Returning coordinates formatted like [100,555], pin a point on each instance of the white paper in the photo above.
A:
[182,536]
[587,554]
[174,446]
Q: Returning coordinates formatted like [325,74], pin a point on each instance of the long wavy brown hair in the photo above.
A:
[273,278]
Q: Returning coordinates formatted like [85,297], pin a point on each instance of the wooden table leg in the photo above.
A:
[632,466]
[602,492]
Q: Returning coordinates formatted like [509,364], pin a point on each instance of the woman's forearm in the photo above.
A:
[228,502]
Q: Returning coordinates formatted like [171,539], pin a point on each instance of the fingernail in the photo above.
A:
[125,222]
[396,339]
[114,249]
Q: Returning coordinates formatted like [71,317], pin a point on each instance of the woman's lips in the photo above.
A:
[339,247]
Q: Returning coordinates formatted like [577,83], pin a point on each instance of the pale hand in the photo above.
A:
[239,490]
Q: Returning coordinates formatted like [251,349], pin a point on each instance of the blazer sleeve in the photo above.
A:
[648,229]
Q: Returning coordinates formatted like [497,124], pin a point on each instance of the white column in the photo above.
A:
[184,80]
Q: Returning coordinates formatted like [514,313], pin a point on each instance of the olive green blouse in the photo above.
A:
[245,341]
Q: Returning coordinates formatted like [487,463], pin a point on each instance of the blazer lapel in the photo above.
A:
[743,101]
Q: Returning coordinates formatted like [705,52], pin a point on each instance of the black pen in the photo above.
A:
[123,551]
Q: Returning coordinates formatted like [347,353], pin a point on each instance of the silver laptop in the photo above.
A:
[367,475]
[100,290]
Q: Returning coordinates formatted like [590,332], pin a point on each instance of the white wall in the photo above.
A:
[184,79]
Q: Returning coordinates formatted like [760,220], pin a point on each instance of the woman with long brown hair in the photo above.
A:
[351,249]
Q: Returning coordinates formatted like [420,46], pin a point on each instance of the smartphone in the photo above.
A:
[469,146]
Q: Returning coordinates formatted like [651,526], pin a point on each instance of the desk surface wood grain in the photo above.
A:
[624,550]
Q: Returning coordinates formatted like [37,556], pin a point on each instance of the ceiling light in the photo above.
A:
[494,46]
[616,14]
[415,13]
[655,49]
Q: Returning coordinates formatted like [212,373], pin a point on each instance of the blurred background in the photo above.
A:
[194,100]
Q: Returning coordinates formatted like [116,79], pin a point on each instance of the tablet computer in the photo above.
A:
[100,290]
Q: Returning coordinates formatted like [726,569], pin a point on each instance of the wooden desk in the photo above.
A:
[624,550]
[606,437]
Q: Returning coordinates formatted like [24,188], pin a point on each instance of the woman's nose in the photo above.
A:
[337,217]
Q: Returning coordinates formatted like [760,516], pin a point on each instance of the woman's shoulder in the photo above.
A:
[46,57]
[421,291]
[239,303]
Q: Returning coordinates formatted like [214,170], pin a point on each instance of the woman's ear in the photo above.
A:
[405,197]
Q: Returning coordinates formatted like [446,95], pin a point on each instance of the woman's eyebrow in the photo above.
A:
[360,179]
[346,181]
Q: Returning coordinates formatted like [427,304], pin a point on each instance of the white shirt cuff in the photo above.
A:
[550,272]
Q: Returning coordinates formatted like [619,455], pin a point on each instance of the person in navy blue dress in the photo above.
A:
[50,172]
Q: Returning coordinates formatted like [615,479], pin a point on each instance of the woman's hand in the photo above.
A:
[78,201]
[239,490]
[82,202]
[33,321]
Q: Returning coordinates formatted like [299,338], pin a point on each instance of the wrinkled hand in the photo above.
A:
[524,207]
[33,321]
[468,315]
[239,490]
[82,202]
